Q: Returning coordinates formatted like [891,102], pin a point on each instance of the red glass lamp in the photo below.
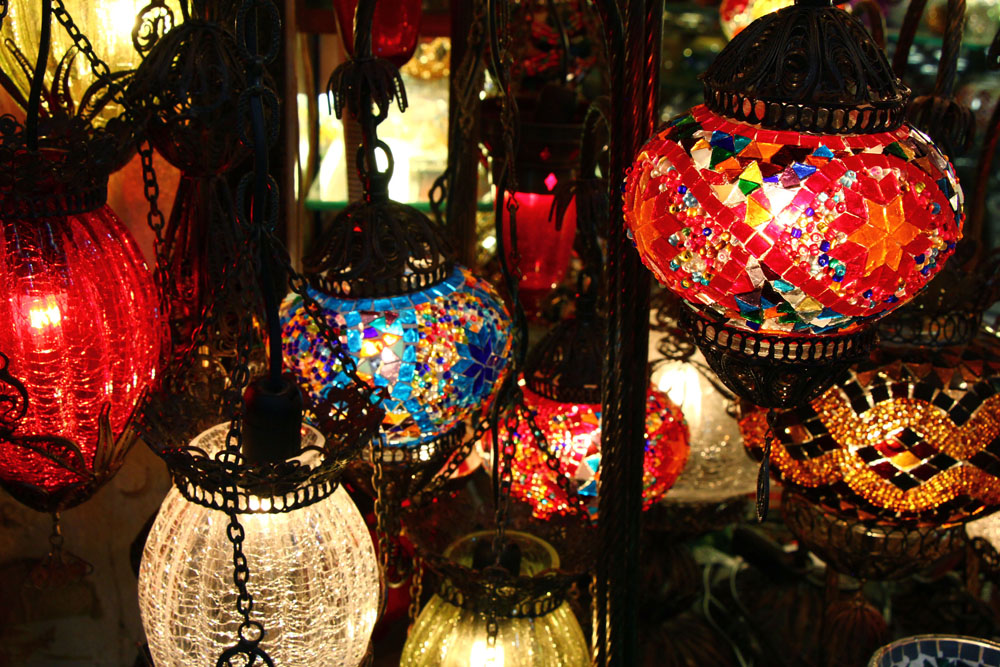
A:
[793,208]
[395,28]
[562,394]
[544,247]
[81,329]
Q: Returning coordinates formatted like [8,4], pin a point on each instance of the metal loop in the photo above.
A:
[272,21]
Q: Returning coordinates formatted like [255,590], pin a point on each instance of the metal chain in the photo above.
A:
[416,590]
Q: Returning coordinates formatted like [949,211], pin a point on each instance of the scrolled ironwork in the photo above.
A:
[565,366]
[949,311]
[774,371]
[151,23]
[13,399]
[494,591]
[808,68]
[379,248]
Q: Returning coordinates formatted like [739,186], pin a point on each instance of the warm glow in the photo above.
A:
[681,383]
[44,313]
[483,655]
[313,577]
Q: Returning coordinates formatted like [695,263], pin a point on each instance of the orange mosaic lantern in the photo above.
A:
[901,439]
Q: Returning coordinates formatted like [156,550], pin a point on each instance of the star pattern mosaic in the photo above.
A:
[912,440]
[440,352]
[573,433]
[790,233]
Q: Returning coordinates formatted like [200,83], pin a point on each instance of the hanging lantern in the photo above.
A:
[187,122]
[395,28]
[789,212]
[428,331]
[439,352]
[79,324]
[548,156]
[533,627]
[314,578]
[903,438]
[562,393]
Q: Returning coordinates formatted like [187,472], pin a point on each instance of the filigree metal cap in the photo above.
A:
[567,364]
[808,68]
[379,248]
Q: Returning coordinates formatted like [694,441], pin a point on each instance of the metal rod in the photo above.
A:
[38,77]
[633,54]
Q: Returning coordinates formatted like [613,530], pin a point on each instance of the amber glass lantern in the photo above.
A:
[451,631]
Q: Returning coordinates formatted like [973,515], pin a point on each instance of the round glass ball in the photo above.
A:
[313,577]
[81,326]
[440,353]
[789,233]
[447,635]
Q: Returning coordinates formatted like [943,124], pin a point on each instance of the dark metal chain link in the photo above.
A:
[416,590]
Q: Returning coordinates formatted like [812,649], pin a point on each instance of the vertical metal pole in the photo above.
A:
[462,190]
[633,33]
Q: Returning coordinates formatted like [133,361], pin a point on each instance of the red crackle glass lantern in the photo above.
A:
[562,399]
[80,332]
[793,208]
[395,28]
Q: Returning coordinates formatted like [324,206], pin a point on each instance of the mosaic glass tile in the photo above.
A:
[573,434]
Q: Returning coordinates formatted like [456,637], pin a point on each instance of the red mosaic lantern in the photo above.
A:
[793,208]
[562,404]
[80,327]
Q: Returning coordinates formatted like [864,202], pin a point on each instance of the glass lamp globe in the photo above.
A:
[107,23]
[795,206]
[440,352]
[448,635]
[313,577]
[900,439]
[718,467]
[81,327]
[573,434]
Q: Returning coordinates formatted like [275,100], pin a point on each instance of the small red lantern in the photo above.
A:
[544,246]
[80,328]
[395,29]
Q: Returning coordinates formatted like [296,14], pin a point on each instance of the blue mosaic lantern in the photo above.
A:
[425,329]
[440,352]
